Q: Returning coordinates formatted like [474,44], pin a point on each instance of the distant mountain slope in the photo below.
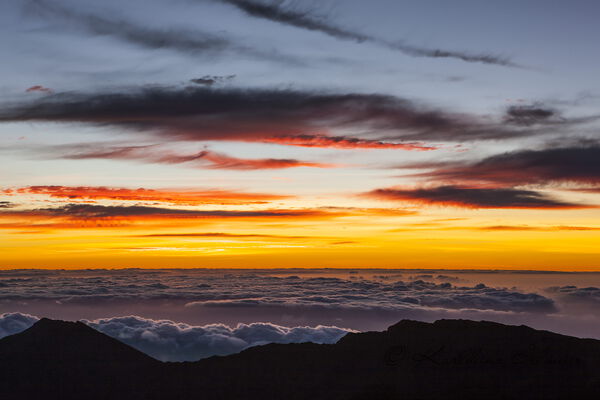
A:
[58,359]
[449,359]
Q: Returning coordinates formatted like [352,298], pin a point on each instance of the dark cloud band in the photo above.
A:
[473,197]
[292,117]
[573,164]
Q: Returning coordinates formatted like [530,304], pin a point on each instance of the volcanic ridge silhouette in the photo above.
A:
[447,359]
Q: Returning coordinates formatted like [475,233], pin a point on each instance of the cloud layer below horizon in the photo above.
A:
[205,300]
[171,341]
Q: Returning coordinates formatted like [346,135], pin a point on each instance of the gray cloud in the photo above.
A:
[570,293]
[309,20]
[397,296]
[213,289]
[209,80]
[576,163]
[473,197]
[183,41]
[364,300]
[531,115]
[285,116]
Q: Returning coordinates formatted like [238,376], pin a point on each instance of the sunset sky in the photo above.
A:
[276,134]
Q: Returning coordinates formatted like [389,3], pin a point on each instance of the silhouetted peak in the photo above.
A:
[69,341]
[411,359]
[47,324]
[407,324]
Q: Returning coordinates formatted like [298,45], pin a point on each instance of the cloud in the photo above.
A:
[573,164]
[186,42]
[286,116]
[92,211]
[260,290]
[11,323]
[273,11]
[6,204]
[173,196]
[171,341]
[341,142]
[574,294]
[473,197]
[398,296]
[365,300]
[93,216]
[223,161]
[537,228]
[160,155]
[209,80]
[225,235]
[39,88]
[530,115]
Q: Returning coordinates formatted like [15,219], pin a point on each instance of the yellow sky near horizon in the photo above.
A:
[361,233]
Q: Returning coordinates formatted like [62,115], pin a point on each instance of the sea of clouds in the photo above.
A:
[190,314]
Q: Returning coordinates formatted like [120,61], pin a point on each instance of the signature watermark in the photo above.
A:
[443,355]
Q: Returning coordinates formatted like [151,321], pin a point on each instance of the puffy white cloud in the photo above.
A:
[11,323]
[171,341]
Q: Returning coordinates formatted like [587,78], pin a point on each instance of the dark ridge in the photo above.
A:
[448,359]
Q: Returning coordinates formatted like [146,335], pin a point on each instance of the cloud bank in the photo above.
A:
[171,341]
[361,300]
[213,289]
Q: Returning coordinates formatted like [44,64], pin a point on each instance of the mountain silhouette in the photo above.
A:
[447,359]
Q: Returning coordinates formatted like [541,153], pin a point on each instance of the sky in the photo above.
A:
[299,134]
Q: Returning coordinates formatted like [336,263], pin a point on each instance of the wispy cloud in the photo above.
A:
[473,197]
[93,216]
[157,154]
[194,42]
[223,161]
[173,196]
[223,235]
[39,88]
[538,228]
[309,20]
[93,211]
[341,142]
[528,115]
[6,204]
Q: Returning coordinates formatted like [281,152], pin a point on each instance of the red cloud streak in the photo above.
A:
[189,197]
[342,142]
[39,88]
